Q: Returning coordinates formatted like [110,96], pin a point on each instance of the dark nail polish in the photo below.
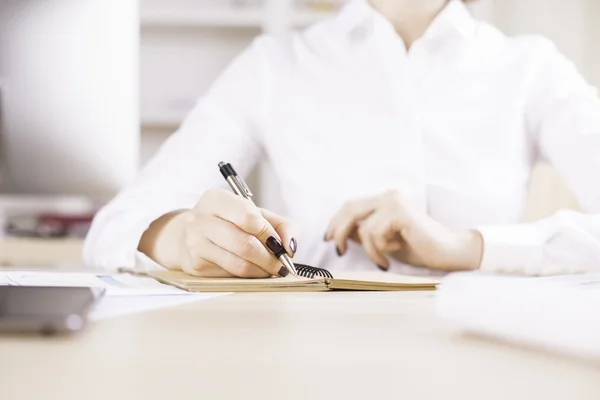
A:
[284,271]
[337,250]
[275,246]
[293,245]
[384,269]
[325,237]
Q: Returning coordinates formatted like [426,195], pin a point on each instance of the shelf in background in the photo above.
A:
[209,17]
[222,18]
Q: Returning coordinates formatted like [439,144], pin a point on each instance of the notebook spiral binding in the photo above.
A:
[307,271]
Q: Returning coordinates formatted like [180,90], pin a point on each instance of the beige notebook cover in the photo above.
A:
[357,281]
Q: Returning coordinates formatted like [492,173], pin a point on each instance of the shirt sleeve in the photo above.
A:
[223,126]
[563,115]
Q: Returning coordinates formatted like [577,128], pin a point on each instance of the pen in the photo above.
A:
[240,188]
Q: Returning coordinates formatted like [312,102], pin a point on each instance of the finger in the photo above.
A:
[229,237]
[357,207]
[354,235]
[232,263]
[239,211]
[374,254]
[347,220]
[382,228]
[395,243]
[205,269]
[287,230]
[390,245]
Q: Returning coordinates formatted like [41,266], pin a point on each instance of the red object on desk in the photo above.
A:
[67,224]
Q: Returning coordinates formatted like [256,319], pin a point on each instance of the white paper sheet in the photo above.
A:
[559,314]
[111,307]
[4,280]
[115,285]
[125,294]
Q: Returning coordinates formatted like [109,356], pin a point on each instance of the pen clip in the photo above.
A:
[242,185]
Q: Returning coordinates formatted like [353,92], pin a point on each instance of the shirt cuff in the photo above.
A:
[116,246]
[143,263]
[512,249]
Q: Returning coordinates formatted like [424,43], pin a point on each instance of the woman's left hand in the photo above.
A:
[388,225]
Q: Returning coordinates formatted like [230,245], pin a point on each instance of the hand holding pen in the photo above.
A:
[224,235]
[240,188]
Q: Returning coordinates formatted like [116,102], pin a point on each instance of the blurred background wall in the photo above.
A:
[69,121]
[69,109]
[71,79]
[186,43]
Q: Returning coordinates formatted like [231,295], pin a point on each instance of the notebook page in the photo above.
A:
[346,281]
[197,284]
[385,277]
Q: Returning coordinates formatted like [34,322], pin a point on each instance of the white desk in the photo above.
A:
[286,346]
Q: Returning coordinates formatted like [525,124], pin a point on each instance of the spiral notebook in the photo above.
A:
[313,280]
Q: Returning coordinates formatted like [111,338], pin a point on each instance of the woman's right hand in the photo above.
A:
[224,235]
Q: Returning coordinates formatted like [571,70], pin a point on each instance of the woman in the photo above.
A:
[403,130]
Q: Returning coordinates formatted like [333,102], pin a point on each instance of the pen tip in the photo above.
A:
[222,164]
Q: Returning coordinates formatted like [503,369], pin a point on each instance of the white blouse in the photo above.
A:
[342,111]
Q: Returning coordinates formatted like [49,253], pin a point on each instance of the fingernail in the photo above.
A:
[293,245]
[325,237]
[283,272]
[275,246]
[384,269]
[337,250]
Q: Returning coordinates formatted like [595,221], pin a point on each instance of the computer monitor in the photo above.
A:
[69,93]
